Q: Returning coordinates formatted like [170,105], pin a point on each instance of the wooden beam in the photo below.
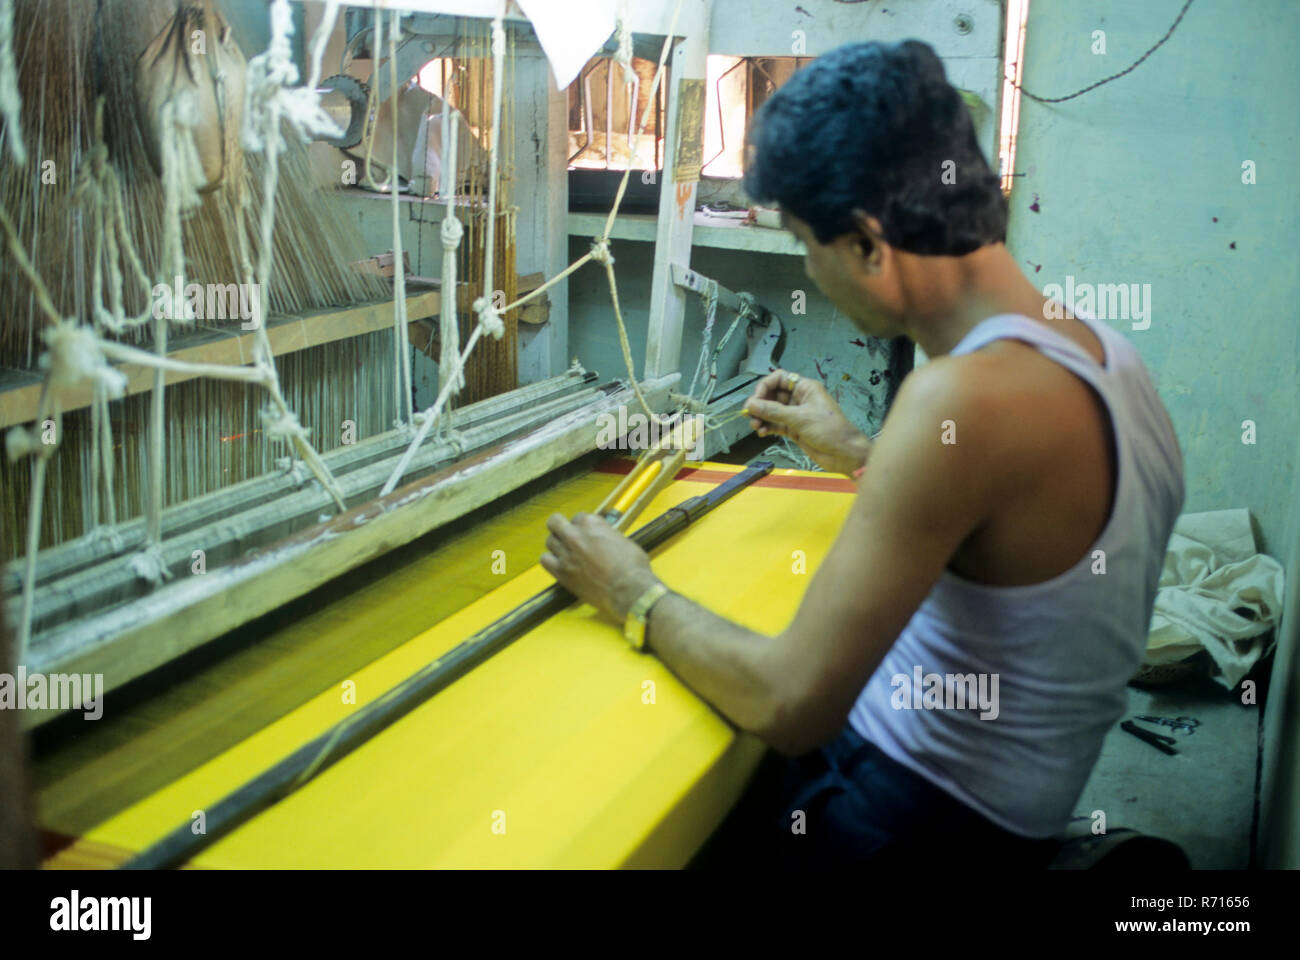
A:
[680,179]
[18,403]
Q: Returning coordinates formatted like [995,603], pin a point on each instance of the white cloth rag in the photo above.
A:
[1217,593]
[570,32]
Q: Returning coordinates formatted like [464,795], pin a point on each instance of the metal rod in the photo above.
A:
[309,760]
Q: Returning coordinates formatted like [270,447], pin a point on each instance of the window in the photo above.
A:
[601,125]
[735,87]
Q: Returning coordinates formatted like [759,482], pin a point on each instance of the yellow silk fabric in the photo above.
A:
[567,749]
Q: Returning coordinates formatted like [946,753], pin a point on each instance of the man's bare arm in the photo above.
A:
[918,501]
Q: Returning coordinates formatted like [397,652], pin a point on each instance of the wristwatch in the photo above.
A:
[638,617]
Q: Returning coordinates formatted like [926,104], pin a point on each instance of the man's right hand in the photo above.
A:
[809,416]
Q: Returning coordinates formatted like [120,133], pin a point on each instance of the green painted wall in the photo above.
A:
[1129,179]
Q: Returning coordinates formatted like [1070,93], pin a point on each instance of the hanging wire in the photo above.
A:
[1114,76]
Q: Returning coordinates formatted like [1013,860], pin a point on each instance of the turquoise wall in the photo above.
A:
[1128,180]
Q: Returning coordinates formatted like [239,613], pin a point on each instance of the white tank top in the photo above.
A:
[1057,654]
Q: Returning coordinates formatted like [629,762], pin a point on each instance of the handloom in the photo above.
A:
[152,428]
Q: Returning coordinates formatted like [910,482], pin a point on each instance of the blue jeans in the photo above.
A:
[848,803]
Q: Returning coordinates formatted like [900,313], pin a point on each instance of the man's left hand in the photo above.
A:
[596,563]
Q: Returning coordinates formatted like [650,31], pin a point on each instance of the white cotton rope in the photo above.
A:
[150,564]
[710,297]
[405,406]
[182,179]
[746,308]
[489,318]
[623,55]
[452,231]
[268,99]
[498,86]
[74,353]
[603,240]
[271,94]
[320,40]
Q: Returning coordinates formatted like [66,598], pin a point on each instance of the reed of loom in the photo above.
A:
[70,54]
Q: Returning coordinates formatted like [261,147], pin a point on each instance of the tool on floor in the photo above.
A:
[1157,740]
[653,471]
[1174,723]
[309,760]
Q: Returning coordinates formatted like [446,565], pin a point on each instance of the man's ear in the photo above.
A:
[869,240]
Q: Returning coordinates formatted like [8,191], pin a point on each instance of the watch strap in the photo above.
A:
[635,626]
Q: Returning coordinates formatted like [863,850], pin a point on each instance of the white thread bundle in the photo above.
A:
[11,102]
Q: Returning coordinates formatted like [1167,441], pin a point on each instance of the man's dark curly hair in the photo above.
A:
[869,126]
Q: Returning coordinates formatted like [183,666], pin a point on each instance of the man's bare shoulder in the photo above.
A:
[1006,399]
